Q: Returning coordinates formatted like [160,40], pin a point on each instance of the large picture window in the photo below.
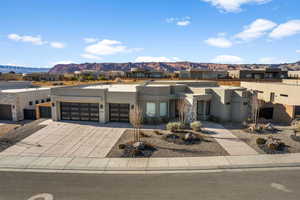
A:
[150,109]
[163,109]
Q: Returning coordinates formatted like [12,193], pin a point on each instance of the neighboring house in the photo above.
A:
[268,73]
[19,104]
[142,73]
[15,84]
[157,99]
[42,76]
[281,100]
[10,76]
[294,74]
[201,74]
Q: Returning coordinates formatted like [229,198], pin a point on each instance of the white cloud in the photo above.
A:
[297,51]
[90,40]
[227,59]
[156,59]
[289,28]
[219,42]
[184,21]
[256,29]
[233,5]
[63,62]
[108,47]
[36,40]
[90,56]
[57,45]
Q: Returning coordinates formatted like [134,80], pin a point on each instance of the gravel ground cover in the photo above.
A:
[166,148]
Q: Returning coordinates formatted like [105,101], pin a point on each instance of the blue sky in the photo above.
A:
[41,33]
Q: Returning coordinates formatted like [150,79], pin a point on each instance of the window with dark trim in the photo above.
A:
[30,103]
[284,95]
[37,102]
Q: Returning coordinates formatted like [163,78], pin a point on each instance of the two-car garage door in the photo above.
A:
[90,112]
[79,111]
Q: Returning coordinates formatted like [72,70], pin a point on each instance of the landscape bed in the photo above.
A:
[284,134]
[205,147]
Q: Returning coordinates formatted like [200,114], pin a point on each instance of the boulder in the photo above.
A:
[139,145]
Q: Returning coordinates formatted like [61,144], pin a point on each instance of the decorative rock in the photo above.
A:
[139,145]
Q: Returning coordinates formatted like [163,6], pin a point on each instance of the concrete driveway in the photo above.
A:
[62,139]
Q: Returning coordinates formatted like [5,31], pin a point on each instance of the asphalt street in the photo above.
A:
[253,185]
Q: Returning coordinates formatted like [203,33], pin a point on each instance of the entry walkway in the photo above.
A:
[233,145]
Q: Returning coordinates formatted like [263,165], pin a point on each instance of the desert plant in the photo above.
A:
[122,146]
[261,141]
[174,126]
[196,125]
[297,128]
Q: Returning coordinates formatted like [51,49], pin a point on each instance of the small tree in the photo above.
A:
[255,107]
[182,108]
[136,119]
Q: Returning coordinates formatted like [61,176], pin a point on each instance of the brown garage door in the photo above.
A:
[118,112]
[5,112]
[79,111]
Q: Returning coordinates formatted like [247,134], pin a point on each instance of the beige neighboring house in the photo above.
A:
[282,100]
[267,73]
[19,104]
[201,74]
[158,99]
[294,74]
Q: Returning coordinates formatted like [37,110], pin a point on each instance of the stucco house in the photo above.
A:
[281,100]
[19,104]
[157,99]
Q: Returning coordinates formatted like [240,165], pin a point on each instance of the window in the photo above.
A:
[150,109]
[42,101]
[30,103]
[48,99]
[284,95]
[37,102]
[272,96]
[163,109]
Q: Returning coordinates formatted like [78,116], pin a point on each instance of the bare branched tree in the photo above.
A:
[182,108]
[136,119]
[255,107]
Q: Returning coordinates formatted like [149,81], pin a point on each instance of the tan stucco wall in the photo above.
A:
[278,88]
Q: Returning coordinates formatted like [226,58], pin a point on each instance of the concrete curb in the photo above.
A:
[124,170]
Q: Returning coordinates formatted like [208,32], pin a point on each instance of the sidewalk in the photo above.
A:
[148,164]
[233,145]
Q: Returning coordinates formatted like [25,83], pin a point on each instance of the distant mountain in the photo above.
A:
[164,66]
[19,69]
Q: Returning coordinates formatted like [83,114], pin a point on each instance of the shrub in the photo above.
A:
[122,146]
[261,141]
[196,125]
[174,126]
